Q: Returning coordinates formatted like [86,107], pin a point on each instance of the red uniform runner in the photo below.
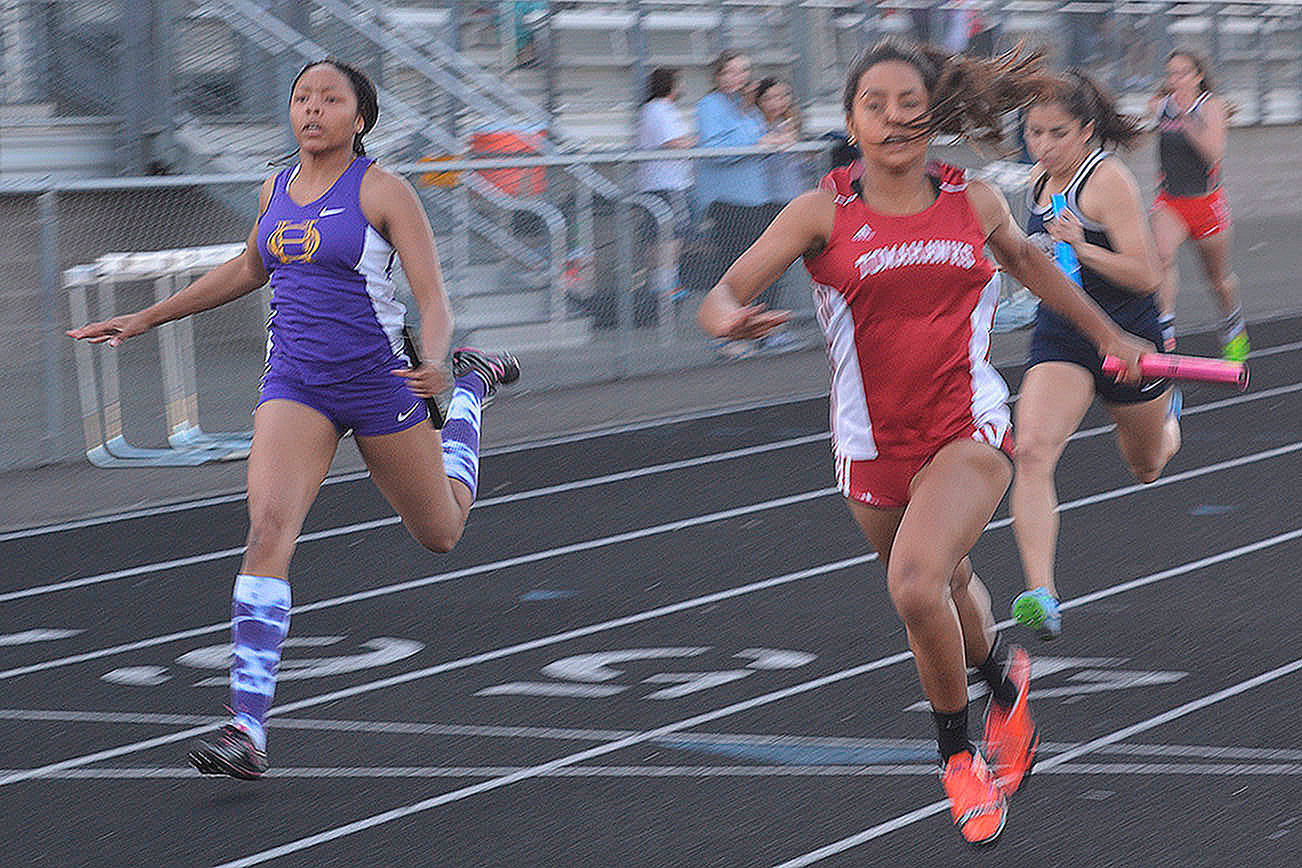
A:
[906,304]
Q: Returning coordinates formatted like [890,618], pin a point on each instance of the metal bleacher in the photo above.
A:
[450,70]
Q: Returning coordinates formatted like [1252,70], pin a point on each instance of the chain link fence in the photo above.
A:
[570,258]
[589,288]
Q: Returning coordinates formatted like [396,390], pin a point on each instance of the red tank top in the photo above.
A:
[906,303]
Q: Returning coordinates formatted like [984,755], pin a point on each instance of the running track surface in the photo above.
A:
[688,659]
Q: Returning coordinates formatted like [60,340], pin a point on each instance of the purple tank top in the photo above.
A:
[334,313]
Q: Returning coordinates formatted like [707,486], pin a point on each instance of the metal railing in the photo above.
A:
[91,257]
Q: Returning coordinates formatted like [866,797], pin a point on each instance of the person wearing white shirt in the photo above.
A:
[660,124]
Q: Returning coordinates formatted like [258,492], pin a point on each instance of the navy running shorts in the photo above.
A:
[1057,340]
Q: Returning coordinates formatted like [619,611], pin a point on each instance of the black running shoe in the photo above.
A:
[230,752]
[495,369]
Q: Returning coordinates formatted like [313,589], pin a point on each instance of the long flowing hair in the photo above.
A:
[967,96]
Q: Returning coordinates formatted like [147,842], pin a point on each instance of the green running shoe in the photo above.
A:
[1038,609]
[1237,349]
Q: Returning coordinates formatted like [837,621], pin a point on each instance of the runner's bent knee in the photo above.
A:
[918,586]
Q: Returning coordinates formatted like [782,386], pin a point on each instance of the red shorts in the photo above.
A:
[1203,216]
[883,482]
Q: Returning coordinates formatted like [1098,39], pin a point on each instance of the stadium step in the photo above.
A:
[500,309]
[534,337]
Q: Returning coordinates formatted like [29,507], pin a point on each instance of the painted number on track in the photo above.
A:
[379,652]
[589,676]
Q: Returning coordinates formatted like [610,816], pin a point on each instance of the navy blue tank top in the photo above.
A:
[1184,171]
[1116,301]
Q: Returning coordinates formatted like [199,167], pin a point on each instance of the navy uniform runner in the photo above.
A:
[1055,339]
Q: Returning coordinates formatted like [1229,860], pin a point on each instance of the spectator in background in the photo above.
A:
[660,124]
[732,191]
[785,174]
[526,16]
[786,177]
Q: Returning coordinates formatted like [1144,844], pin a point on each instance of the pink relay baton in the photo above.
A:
[1155,366]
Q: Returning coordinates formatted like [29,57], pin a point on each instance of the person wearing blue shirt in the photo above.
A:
[786,176]
[732,191]
[726,118]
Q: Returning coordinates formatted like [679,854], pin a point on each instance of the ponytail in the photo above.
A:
[1082,98]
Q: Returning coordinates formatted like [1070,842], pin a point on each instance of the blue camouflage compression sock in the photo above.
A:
[259,624]
[461,431]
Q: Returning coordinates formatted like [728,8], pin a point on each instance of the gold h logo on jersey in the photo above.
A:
[294,242]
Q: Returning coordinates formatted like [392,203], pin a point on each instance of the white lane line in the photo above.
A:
[524,495]
[387,521]
[455,664]
[356,475]
[146,773]
[171,738]
[344,530]
[383,522]
[610,747]
[1275,351]
[370,726]
[569,760]
[358,527]
[385,590]
[561,762]
[1049,764]
[386,727]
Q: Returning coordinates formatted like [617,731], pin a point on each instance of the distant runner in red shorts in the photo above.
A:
[1190,204]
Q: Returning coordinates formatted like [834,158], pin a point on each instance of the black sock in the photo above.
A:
[995,672]
[951,732]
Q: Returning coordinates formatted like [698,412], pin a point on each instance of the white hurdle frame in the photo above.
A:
[100,395]
[179,372]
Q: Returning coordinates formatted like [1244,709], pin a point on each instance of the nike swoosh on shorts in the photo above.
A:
[402,417]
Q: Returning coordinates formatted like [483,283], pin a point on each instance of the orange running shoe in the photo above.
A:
[975,800]
[1011,736]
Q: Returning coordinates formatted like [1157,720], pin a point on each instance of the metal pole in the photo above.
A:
[134,99]
[162,144]
[802,46]
[1261,45]
[639,54]
[623,213]
[48,218]
[547,34]
[455,23]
